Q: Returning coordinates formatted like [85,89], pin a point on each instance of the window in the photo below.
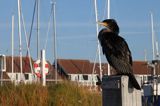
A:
[76,77]
[16,76]
[150,78]
[85,77]
[158,79]
[2,63]
[26,76]
[69,77]
[144,78]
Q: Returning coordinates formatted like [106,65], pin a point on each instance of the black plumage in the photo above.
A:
[116,50]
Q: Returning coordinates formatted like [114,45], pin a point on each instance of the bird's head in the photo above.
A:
[111,25]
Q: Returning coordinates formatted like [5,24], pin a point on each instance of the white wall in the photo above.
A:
[17,77]
[92,79]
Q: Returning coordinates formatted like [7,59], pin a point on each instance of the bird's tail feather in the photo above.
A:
[134,82]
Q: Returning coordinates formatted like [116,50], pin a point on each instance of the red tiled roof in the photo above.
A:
[71,66]
[141,67]
[83,66]
[25,64]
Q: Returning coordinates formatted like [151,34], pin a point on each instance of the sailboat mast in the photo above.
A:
[108,13]
[38,27]
[157,50]
[153,39]
[19,33]
[54,38]
[97,27]
[12,45]
[108,16]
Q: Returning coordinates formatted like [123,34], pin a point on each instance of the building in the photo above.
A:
[16,75]
[82,71]
[28,73]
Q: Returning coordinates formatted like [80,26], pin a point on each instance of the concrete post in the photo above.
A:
[116,91]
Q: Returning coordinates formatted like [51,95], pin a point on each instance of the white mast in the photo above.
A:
[157,50]
[153,51]
[38,27]
[108,16]
[97,27]
[145,55]
[54,38]
[12,45]
[155,82]
[20,39]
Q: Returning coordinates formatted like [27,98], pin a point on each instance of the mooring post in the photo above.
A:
[116,91]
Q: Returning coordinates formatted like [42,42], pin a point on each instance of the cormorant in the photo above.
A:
[116,50]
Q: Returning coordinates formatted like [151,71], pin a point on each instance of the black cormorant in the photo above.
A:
[116,50]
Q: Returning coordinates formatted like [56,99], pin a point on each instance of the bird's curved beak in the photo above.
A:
[102,23]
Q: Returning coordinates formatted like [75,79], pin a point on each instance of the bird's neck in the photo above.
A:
[109,31]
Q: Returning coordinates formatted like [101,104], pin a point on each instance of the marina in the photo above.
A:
[53,42]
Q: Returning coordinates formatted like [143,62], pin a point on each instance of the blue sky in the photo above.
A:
[76,31]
